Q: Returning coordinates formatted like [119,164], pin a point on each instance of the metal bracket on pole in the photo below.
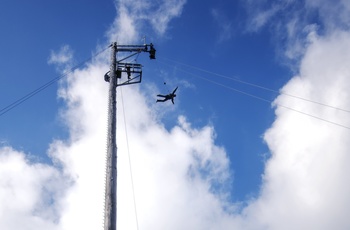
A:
[133,70]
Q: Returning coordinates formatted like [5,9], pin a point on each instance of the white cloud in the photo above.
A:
[62,58]
[291,23]
[335,15]
[224,25]
[262,12]
[167,11]
[28,192]
[132,16]
[262,18]
[173,171]
[305,181]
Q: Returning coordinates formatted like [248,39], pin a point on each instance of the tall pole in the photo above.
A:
[110,215]
[115,72]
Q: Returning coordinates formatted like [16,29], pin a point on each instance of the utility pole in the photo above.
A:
[110,218]
[134,76]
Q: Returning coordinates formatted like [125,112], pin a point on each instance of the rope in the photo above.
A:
[130,168]
[258,86]
[261,99]
[46,85]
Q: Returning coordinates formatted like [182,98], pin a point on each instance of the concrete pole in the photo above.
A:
[110,214]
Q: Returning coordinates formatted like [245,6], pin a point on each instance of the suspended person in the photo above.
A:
[128,71]
[170,96]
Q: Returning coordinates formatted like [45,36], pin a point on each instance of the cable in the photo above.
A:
[128,149]
[262,99]
[46,85]
[258,86]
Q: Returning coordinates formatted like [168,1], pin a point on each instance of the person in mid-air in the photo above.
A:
[170,96]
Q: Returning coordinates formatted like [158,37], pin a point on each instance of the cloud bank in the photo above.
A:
[305,180]
[181,176]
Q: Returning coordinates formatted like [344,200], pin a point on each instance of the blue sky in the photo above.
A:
[38,29]
[227,146]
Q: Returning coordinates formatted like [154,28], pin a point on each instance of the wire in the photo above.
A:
[138,54]
[46,85]
[128,149]
[258,86]
[260,98]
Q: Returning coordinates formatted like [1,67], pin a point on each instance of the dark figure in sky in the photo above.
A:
[128,71]
[170,96]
